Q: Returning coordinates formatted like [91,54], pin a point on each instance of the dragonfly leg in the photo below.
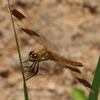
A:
[37,68]
[34,70]
[29,68]
[26,61]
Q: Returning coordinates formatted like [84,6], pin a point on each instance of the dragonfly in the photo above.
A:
[48,52]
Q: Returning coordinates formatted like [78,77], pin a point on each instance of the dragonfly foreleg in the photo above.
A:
[34,70]
[29,68]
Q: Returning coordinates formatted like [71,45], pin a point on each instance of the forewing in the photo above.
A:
[28,28]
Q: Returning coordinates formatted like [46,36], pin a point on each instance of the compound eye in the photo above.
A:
[33,55]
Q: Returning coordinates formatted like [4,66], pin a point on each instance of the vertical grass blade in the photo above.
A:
[19,54]
[95,83]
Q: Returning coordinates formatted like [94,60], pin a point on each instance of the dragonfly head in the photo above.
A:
[33,56]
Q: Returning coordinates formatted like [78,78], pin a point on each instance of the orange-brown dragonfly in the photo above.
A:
[47,52]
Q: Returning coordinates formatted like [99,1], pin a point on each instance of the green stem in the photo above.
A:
[19,54]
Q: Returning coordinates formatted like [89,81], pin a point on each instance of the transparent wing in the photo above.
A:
[30,29]
[72,66]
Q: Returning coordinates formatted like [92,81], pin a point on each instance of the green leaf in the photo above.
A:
[78,94]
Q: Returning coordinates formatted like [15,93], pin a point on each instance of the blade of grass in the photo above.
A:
[19,54]
[95,83]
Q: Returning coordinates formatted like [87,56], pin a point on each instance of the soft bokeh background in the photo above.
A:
[72,25]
